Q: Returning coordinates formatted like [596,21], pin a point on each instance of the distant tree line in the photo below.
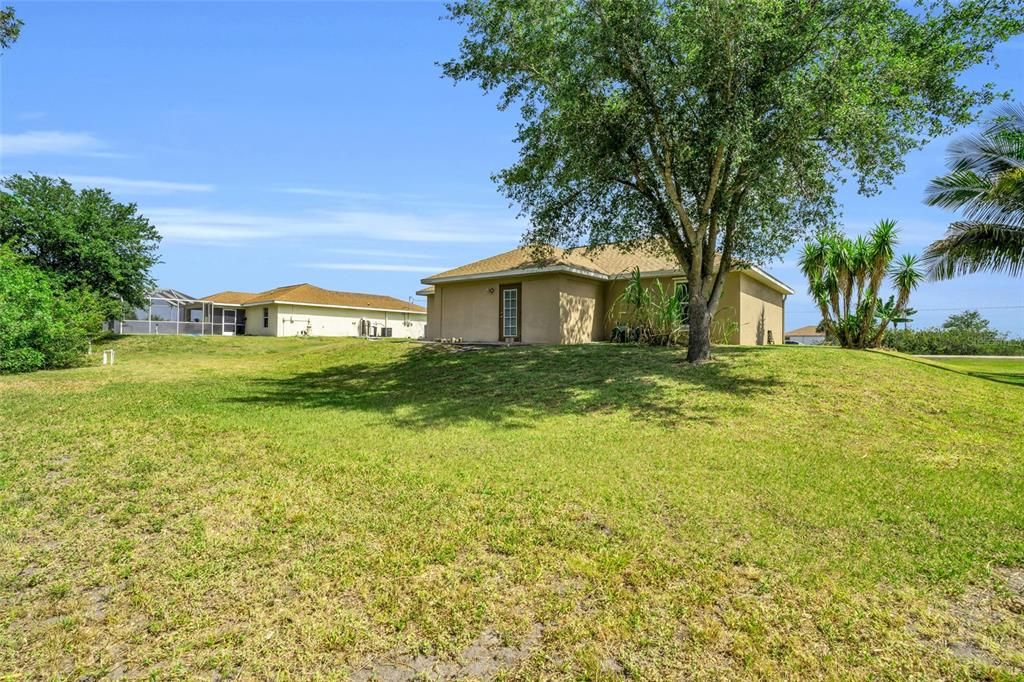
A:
[966,333]
[68,260]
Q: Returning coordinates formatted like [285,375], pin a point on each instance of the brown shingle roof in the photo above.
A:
[232,297]
[615,259]
[307,293]
[809,330]
[610,260]
[524,258]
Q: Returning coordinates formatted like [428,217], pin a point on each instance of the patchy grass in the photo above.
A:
[269,507]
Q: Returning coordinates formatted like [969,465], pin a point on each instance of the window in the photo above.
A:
[683,296]
[266,317]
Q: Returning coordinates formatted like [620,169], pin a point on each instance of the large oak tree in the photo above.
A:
[718,127]
[82,240]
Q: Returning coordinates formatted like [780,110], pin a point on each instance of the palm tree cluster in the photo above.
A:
[986,183]
[845,279]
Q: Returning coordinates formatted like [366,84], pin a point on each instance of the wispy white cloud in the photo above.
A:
[49,142]
[333,193]
[217,226]
[210,227]
[379,252]
[406,199]
[424,227]
[136,186]
[378,267]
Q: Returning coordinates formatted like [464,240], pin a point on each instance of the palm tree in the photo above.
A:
[845,277]
[985,182]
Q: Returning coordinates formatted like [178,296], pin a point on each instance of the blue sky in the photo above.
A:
[280,143]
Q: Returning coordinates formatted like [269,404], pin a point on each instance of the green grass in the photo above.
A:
[1008,370]
[329,507]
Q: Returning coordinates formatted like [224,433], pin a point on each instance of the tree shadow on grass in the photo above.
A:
[1012,378]
[434,386]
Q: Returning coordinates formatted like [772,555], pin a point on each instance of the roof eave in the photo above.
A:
[519,272]
[770,281]
[757,272]
[249,304]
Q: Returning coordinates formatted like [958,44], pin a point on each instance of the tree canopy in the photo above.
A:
[719,127]
[10,27]
[80,239]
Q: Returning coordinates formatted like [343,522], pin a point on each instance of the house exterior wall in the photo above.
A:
[433,330]
[469,310]
[581,304]
[761,310]
[291,319]
[254,320]
[561,308]
[726,326]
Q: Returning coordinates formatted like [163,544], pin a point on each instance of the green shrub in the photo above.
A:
[950,342]
[966,333]
[42,327]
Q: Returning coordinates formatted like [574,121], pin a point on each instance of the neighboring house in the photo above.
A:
[565,296]
[304,309]
[808,336]
[296,310]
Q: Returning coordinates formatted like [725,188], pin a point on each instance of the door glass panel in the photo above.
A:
[510,312]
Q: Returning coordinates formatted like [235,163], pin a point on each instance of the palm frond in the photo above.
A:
[972,246]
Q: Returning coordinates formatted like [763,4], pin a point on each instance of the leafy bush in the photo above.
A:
[966,333]
[42,327]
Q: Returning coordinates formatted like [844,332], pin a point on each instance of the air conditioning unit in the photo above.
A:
[385,331]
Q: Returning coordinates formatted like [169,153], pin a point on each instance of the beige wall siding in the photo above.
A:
[726,327]
[433,330]
[761,311]
[541,321]
[287,319]
[567,309]
[254,321]
[469,310]
[581,310]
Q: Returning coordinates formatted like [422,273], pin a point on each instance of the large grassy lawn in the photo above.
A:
[341,508]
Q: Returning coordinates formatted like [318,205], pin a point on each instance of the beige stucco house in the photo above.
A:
[307,310]
[565,296]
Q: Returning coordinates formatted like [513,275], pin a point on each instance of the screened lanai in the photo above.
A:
[170,311]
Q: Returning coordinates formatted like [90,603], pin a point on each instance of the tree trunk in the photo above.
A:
[698,348]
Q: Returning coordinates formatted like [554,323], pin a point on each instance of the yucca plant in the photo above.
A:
[986,183]
[845,278]
[649,314]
